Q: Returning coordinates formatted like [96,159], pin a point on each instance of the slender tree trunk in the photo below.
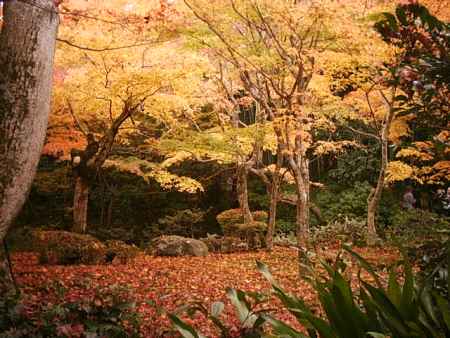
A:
[375,194]
[274,197]
[110,211]
[27,46]
[272,215]
[80,205]
[242,192]
[300,168]
[316,211]
[302,209]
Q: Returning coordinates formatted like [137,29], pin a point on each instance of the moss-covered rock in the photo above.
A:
[118,252]
[225,244]
[63,247]
[178,246]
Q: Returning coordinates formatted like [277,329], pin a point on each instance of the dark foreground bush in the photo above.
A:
[63,247]
[109,313]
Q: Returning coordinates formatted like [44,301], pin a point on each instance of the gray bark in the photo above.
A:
[375,194]
[27,46]
[242,192]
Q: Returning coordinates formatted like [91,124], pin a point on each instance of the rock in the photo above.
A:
[63,247]
[178,246]
[118,252]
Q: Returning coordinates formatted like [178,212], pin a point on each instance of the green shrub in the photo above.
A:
[183,223]
[234,216]
[120,252]
[63,247]
[417,222]
[344,229]
[285,226]
[336,204]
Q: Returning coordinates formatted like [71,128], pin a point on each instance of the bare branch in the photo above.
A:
[75,118]
[104,49]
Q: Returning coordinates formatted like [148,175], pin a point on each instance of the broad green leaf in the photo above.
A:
[394,291]
[266,272]
[217,308]
[366,265]
[184,329]
[282,329]
[377,335]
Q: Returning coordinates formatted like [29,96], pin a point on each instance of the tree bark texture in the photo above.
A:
[27,47]
[80,205]
[274,192]
[92,159]
[375,194]
[242,192]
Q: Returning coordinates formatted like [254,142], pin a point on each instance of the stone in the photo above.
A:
[178,246]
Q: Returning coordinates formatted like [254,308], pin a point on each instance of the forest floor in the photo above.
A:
[173,282]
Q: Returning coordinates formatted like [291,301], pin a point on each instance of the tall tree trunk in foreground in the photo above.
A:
[27,46]
[375,194]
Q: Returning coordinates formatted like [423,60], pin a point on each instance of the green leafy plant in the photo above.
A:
[399,310]
[248,310]
[181,223]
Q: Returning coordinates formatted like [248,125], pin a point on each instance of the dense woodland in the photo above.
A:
[225,168]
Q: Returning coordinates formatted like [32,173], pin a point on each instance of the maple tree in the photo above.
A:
[114,95]
[274,91]
[275,51]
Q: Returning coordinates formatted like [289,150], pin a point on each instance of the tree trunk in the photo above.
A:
[27,46]
[110,211]
[274,196]
[375,194]
[7,282]
[300,168]
[242,192]
[272,215]
[302,211]
[316,211]
[80,205]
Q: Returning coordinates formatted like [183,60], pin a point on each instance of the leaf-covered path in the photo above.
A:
[172,282]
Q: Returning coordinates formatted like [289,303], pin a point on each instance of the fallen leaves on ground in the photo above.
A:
[171,282]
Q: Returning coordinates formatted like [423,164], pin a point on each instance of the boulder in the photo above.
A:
[178,246]
[63,247]
[118,252]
